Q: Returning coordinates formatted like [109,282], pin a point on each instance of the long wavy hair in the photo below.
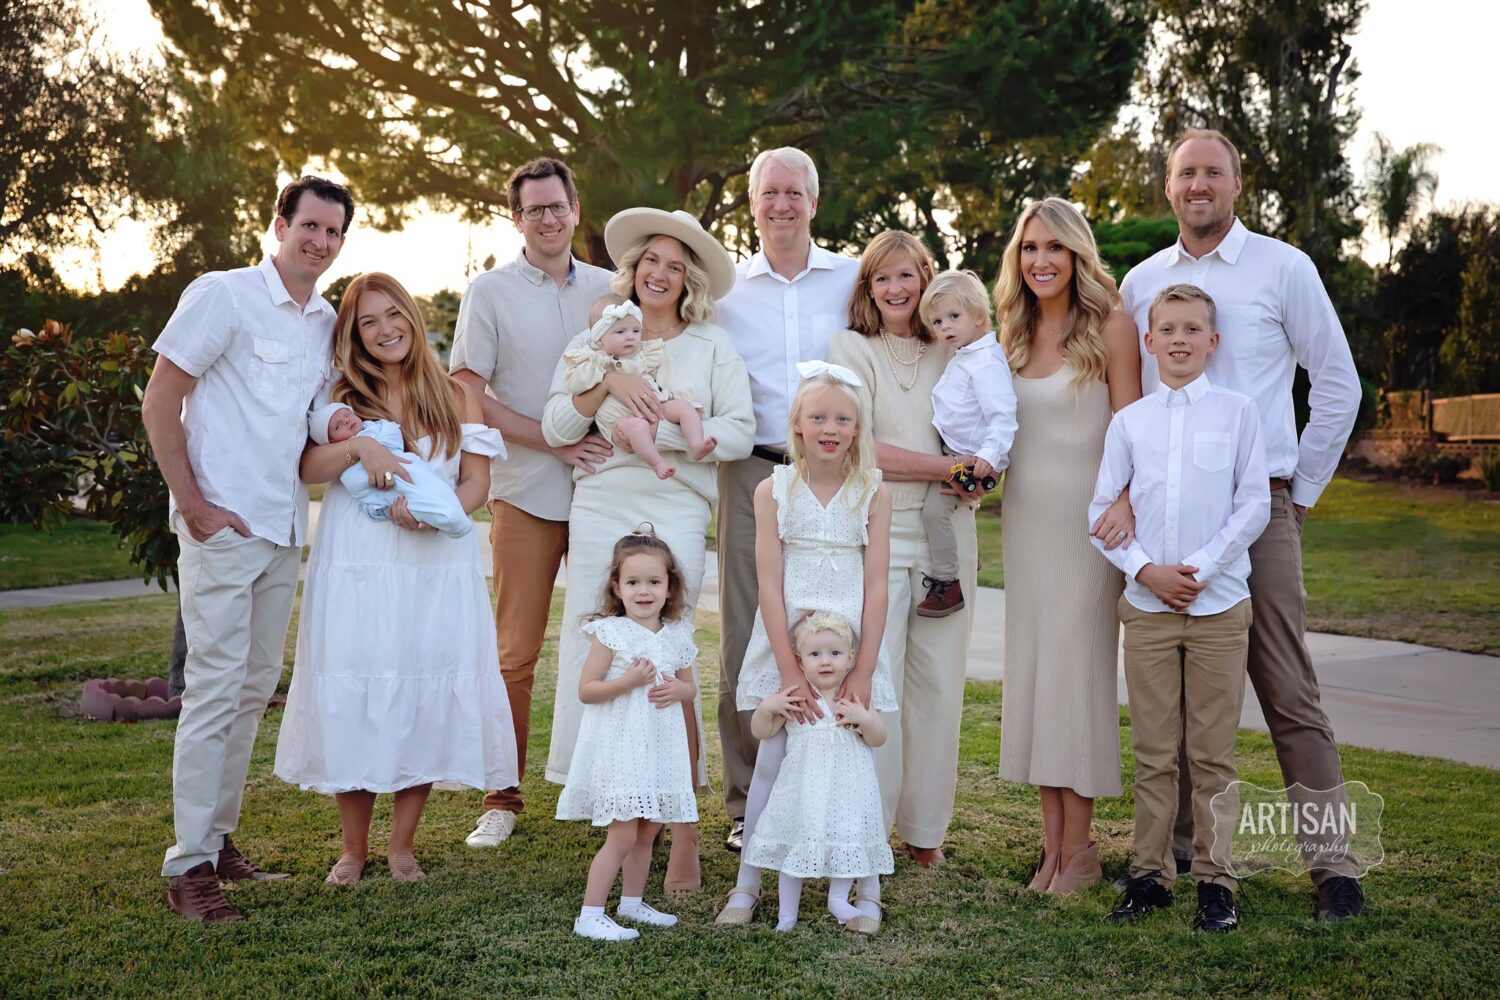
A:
[864,317]
[697,302]
[642,540]
[859,461]
[429,405]
[1091,296]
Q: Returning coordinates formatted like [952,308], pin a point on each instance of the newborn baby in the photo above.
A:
[429,496]
[615,344]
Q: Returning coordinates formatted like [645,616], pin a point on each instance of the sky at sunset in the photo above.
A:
[1426,69]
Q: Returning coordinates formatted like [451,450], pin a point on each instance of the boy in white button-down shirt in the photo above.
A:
[974,409]
[1191,454]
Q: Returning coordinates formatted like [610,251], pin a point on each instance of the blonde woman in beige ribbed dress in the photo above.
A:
[1075,360]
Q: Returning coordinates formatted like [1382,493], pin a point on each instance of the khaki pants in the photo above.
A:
[527,551]
[739,596]
[1186,678]
[1282,674]
[918,765]
[236,596]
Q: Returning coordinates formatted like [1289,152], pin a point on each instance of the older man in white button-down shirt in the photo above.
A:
[787,302]
[1274,315]
[238,365]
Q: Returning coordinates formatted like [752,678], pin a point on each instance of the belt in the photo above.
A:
[1280,484]
[770,455]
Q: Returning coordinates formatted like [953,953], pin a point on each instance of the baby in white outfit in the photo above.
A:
[615,344]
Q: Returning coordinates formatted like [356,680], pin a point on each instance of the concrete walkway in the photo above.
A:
[1379,694]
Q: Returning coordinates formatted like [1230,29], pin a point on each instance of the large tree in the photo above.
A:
[912,108]
[1396,183]
[1277,77]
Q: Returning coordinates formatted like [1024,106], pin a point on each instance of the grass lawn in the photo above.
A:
[86,815]
[79,551]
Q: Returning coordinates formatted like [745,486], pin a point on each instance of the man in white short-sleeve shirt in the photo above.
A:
[787,302]
[513,325]
[238,365]
[1274,316]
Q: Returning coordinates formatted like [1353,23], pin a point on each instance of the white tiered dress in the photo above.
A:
[397,678]
[631,760]
[822,569]
[823,819]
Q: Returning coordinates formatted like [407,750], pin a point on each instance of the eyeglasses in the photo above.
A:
[558,209]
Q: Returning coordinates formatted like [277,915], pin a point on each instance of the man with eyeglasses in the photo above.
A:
[513,324]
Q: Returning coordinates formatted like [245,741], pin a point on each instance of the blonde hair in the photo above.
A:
[864,317]
[814,622]
[1092,295]
[429,398]
[1205,133]
[697,302]
[793,159]
[1184,293]
[963,287]
[859,461]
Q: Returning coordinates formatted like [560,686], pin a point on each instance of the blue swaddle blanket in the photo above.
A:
[429,496]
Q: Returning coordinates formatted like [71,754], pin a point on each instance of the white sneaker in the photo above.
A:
[600,928]
[645,913]
[494,827]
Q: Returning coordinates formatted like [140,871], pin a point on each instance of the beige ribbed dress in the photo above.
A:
[1059,716]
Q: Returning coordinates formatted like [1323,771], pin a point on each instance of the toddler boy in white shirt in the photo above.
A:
[974,411]
[1192,455]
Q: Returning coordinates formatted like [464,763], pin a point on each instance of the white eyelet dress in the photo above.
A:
[631,760]
[822,569]
[823,819]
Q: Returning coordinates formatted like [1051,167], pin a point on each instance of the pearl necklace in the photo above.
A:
[893,359]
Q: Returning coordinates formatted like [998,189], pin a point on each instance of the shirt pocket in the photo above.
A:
[1211,451]
[270,371]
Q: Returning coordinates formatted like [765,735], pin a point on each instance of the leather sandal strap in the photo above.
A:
[857,898]
[754,895]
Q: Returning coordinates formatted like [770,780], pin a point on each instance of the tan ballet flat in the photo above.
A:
[347,870]
[404,868]
[864,924]
[1045,868]
[738,916]
[1082,870]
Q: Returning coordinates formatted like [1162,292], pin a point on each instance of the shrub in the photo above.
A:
[1425,462]
[73,435]
[1489,471]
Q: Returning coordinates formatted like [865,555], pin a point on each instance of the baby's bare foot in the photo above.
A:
[665,471]
[703,450]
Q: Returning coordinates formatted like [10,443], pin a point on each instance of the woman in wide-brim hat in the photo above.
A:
[674,270]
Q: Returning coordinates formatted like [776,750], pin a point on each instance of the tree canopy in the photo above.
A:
[909,107]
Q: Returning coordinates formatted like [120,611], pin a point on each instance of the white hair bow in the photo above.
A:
[812,369]
[611,315]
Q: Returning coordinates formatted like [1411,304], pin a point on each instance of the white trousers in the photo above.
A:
[918,765]
[606,507]
[236,596]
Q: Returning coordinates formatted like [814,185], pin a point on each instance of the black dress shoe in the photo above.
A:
[1143,893]
[736,839]
[1340,898]
[1216,910]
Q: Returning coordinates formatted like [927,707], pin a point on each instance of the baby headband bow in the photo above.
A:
[812,369]
[611,315]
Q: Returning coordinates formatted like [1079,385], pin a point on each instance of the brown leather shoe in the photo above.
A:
[927,857]
[197,895]
[235,867]
[944,597]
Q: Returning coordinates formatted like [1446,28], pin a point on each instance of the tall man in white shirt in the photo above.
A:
[1273,315]
[238,365]
[787,302]
[1192,452]
[513,324]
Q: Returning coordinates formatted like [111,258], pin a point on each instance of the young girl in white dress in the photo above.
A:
[630,769]
[824,817]
[822,543]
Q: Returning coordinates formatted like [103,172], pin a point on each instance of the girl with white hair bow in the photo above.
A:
[615,344]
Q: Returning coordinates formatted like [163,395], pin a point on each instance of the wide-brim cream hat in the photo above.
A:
[634,224]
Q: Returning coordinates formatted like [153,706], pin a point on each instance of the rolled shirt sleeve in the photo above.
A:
[476,340]
[201,326]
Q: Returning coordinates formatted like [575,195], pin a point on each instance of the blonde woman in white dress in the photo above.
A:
[1075,360]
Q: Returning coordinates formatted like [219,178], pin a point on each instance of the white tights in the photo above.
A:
[789,892]
[768,760]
